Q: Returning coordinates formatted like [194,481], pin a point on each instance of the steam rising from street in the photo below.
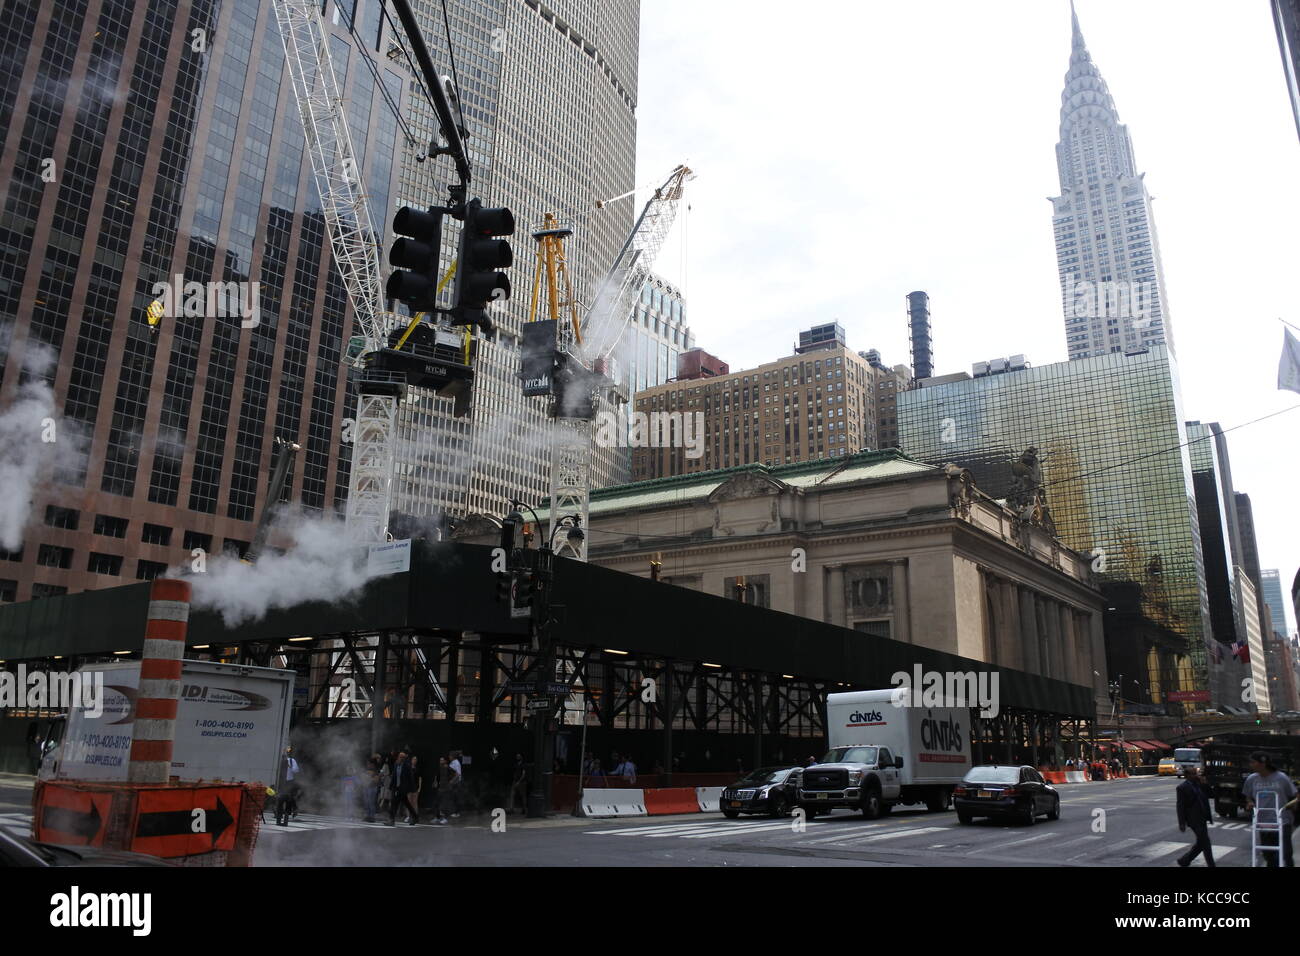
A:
[319,565]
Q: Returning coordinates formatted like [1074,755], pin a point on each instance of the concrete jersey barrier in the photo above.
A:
[612,803]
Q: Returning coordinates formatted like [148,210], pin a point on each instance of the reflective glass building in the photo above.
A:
[1109,431]
[140,141]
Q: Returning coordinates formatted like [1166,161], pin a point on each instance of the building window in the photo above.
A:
[104,563]
[110,527]
[57,517]
[148,570]
[47,590]
[11,555]
[194,539]
[878,628]
[156,534]
[8,591]
[52,556]
[752,589]
[236,546]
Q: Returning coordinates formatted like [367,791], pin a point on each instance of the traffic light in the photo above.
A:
[477,280]
[505,586]
[416,258]
[521,600]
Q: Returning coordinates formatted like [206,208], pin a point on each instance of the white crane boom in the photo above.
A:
[603,327]
[354,243]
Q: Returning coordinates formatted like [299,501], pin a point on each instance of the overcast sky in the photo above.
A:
[850,153]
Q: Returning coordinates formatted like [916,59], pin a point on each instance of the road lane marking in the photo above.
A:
[891,835]
[1166,847]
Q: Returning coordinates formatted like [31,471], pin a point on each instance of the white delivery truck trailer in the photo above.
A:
[232,725]
[885,752]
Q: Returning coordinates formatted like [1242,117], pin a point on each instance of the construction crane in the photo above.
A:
[584,375]
[391,357]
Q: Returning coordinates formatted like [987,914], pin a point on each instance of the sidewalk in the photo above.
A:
[23,781]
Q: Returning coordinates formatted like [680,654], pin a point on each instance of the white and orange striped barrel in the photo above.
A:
[160,682]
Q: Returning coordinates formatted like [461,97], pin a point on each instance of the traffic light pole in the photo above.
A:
[450,129]
[539,793]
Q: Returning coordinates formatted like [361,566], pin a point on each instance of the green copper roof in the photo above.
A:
[862,466]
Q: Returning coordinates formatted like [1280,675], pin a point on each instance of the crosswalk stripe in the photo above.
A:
[684,827]
[890,835]
[1166,847]
[1003,846]
[727,831]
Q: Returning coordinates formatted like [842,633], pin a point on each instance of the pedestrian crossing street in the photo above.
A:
[944,839]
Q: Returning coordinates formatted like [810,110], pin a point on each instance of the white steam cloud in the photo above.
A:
[320,565]
[34,442]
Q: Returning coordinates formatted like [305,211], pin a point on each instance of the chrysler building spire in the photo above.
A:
[1108,259]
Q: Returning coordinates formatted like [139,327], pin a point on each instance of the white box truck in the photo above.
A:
[232,725]
[882,754]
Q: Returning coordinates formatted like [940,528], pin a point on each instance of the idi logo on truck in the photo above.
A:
[872,718]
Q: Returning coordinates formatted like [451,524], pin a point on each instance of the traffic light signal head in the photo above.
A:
[416,258]
[481,255]
[504,587]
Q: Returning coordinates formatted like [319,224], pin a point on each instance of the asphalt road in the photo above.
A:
[1124,823]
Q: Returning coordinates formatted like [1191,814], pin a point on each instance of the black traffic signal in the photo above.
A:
[521,599]
[477,280]
[505,586]
[416,258]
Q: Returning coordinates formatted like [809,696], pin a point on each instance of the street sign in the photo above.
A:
[520,687]
[541,704]
[558,688]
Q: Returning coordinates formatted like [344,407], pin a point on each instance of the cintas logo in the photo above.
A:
[870,717]
[940,734]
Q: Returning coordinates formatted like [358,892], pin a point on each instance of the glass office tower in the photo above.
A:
[1110,434]
[140,142]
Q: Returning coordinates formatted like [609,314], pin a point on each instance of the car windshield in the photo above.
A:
[766,775]
[851,755]
[1187,753]
[993,775]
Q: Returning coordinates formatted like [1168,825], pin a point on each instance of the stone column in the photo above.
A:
[1029,643]
[836,610]
[1069,650]
[901,600]
[1052,619]
[1011,654]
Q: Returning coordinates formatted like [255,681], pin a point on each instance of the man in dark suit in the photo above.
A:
[1194,811]
[404,783]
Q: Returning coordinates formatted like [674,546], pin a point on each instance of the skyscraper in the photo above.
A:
[1271,579]
[1108,258]
[1108,431]
[159,143]
[548,96]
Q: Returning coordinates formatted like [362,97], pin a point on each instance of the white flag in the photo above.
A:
[1288,370]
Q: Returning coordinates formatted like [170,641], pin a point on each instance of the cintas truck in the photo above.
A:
[232,725]
[883,754]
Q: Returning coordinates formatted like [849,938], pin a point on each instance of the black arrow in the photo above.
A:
[167,823]
[77,822]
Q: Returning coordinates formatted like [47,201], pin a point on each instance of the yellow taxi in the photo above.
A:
[1167,767]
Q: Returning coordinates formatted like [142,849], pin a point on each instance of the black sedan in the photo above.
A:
[771,790]
[998,790]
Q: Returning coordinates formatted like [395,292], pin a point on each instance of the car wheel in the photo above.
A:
[731,814]
[1056,810]
[871,804]
[964,818]
[1028,817]
[776,806]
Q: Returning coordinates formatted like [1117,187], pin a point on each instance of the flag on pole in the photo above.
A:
[1288,369]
